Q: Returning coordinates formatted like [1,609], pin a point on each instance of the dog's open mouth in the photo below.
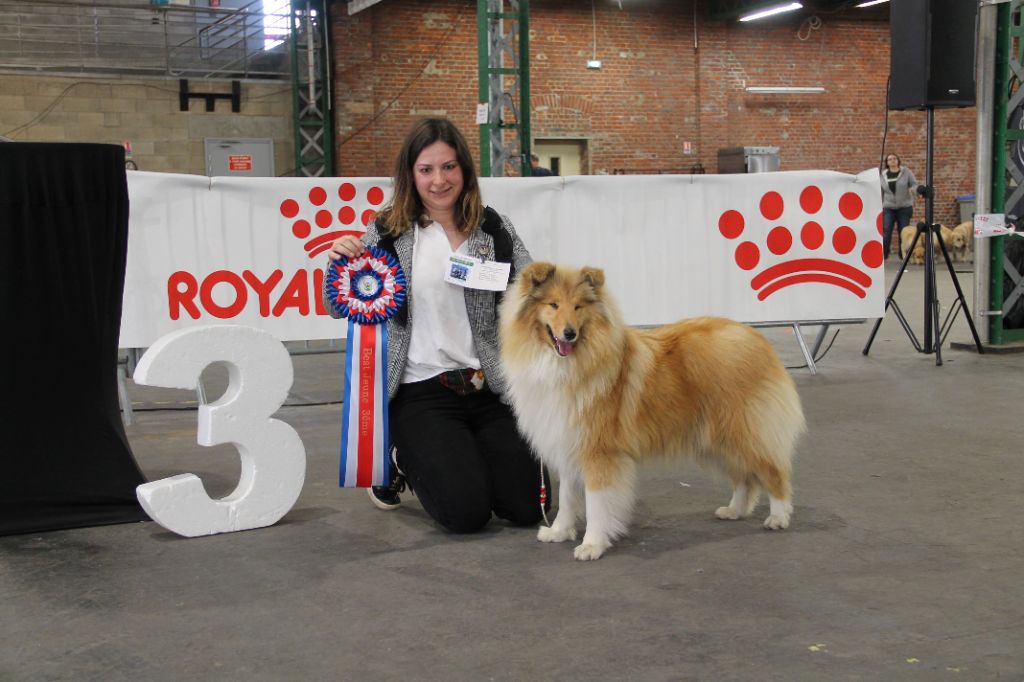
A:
[563,348]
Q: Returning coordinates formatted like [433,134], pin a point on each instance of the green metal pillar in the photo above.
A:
[1006,177]
[311,91]
[504,86]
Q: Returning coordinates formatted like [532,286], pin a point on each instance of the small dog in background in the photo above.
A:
[962,241]
[906,239]
[947,239]
[917,256]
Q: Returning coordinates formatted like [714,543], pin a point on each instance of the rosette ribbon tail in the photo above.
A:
[364,418]
[367,289]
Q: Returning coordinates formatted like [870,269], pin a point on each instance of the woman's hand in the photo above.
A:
[345,246]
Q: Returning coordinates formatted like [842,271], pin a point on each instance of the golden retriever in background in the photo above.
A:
[962,242]
[594,397]
[906,239]
[946,234]
[917,256]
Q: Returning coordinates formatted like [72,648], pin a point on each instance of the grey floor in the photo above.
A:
[903,561]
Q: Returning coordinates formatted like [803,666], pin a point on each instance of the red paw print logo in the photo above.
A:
[323,211]
[800,251]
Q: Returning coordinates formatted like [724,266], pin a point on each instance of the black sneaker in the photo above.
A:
[386,497]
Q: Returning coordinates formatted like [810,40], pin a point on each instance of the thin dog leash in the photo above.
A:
[543,496]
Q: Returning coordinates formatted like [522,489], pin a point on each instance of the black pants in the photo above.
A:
[894,220]
[464,457]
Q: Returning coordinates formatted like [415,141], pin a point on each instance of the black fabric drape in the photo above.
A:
[66,462]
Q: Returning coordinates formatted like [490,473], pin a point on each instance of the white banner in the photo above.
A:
[764,247]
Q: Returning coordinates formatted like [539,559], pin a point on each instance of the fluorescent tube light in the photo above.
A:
[778,9]
[871,2]
[786,90]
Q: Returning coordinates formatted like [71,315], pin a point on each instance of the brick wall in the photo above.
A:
[146,113]
[656,90]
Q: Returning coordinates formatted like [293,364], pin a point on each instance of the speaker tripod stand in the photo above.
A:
[934,334]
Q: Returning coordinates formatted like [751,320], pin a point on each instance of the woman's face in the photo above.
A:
[892,161]
[438,177]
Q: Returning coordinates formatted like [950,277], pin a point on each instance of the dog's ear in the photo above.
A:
[535,274]
[592,276]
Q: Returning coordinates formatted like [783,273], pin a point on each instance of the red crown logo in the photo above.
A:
[323,217]
[817,263]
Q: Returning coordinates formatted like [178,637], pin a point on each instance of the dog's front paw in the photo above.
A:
[554,534]
[777,521]
[589,552]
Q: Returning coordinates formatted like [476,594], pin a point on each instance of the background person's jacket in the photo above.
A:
[906,185]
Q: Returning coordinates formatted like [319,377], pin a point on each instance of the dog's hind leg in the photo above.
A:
[779,513]
[570,492]
[745,494]
[776,483]
[608,512]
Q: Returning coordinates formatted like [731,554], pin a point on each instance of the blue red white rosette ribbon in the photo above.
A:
[367,289]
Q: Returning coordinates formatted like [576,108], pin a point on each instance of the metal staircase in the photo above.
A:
[311,92]
[1008,162]
[503,40]
[95,38]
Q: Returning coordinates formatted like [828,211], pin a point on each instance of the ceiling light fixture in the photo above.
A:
[786,90]
[871,2]
[770,11]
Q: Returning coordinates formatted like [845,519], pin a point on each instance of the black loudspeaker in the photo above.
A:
[932,53]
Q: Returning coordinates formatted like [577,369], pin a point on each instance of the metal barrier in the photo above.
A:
[126,364]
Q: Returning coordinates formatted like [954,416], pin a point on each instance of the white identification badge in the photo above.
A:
[471,272]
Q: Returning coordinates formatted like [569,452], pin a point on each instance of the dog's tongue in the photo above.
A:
[563,347]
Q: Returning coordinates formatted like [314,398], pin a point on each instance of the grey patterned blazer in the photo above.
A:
[483,316]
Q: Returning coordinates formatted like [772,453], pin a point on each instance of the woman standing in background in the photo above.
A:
[899,188]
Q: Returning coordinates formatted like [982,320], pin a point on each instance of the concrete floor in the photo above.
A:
[903,562]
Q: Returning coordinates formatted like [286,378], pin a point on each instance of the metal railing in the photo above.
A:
[104,38]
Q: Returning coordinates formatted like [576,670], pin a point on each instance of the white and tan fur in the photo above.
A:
[953,239]
[594,397]
[946,234]
[917,256]
[906,239]
[963,240]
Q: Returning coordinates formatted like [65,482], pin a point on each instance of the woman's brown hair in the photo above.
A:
[885,161]
[405,206]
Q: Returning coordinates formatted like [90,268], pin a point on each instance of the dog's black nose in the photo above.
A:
[569,333]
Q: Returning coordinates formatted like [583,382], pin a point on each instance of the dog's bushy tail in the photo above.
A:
[763,455]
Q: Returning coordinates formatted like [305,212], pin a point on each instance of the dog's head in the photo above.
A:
[959,240]
[560,304]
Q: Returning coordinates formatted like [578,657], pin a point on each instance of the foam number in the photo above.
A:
[273,456]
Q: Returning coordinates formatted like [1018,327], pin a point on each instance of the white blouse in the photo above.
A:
[441,338]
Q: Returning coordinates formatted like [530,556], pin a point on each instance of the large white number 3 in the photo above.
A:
[273,456]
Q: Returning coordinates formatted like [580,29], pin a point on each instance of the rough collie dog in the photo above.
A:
[594,397]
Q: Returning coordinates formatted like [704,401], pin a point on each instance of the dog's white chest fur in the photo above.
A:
[544,411]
